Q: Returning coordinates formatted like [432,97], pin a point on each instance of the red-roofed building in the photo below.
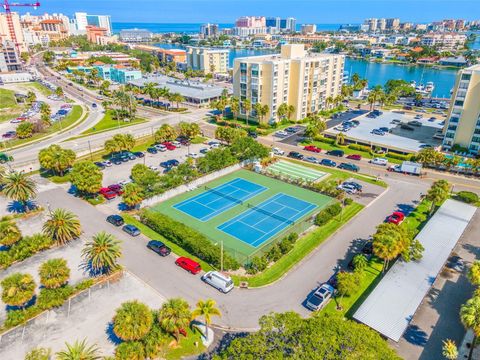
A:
[98,35]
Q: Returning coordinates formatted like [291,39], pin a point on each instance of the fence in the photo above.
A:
[47,318]
[191,186]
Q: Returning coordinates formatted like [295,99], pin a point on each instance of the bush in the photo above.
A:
[402,157]
[50,298]
[18,317]
[187,238]
[274,254]
[327,214]
[467,196]
[84,284]
[155,340]
[132,350]
[257,264]
[358,147]
[324,140]
[348,201]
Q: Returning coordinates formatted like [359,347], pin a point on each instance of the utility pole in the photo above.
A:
[90,149]
[221,256]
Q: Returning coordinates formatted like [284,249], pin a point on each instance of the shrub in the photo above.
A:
[348,201]
[132,350]
[50,298]
[327,214]
[17,317]
[257,264]
[359,147]
[187,238]
[84,284]
[467,196]
[154,341]
[399,156]
[324,140]
[132,321]
[25,248]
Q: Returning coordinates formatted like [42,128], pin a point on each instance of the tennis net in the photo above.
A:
[275,216]
[216,192]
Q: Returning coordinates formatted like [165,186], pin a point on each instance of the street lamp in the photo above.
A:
[221,255]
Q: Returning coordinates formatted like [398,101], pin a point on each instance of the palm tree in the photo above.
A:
[207,309]
[386,247]
[18,289]
[54,273]
[355,78]
[39,354]
[19,187]
[282,111]
[235,106]
[436,195]
[132,321]
[9,233]
[79,350]
[174,316]
[474,273]
[62,226]
[132,194]
[360,262]
[470,318]
[329,101]
[290,111]
[449,350]
[247,106]
[375,95]
[102,253]
[212,71]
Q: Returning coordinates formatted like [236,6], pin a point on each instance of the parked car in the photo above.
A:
[107,193]
[152,150]
[396,218]
[349,166]
[138,154]
[188,264]
[116,220]
[159,247]
[338,153]
[169,145]
[415,123]
[354,184]
[395,121]
[311,159]
[379,161]
[131,230]
[203,150]
[291,129]
[177,144]
[295,155]
[384,129]
[312,148]
[193,155]
[278,151]
[160,147]
[407,127]
[107,163]
[116,188]
[219,281]
[116,161]
[100,165]
[253,134]
[328,162]
[354,157]
[320,297]
[378,132]
[367,248]
[281,134]
[349,189]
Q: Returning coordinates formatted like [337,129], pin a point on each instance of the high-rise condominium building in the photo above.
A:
[82,20]
[208,60]
[393,24]
[293,77]
[15,36]
[372,24]
[463,125]
[209,30]
[309,29]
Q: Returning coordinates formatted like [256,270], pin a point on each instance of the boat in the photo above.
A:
[413,84]
[430,87]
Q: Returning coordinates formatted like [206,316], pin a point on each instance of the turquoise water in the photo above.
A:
[377,74]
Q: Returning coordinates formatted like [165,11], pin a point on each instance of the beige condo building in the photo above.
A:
[206,60]
[463,121]
[293,77]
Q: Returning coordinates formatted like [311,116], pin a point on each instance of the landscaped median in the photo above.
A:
[109,123]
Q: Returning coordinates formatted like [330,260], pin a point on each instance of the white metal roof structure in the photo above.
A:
[392,304]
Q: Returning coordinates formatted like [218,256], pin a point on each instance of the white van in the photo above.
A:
[219,281]
[379,161]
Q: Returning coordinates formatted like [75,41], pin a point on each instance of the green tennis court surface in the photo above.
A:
[296,171]
[241,246]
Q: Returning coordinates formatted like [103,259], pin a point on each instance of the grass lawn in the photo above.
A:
[239,249]
[187,346]
[302,248]
[38,87]
[68,120]
[108,123]
[9,108]
[337,174]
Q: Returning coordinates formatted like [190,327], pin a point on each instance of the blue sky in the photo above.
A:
[225,11]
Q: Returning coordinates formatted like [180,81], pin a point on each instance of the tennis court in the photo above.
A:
[296,171]
[262,222]
[215,201]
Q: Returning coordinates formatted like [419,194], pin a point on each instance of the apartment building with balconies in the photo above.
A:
[293,77]
[208,60]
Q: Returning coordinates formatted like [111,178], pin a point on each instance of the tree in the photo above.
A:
[56,159]
[39,354]
[316,125]
[9,233]
[19,187]
[132,321]
[235,106]
[375,95]
[206,309]
[388,243]
[31,98]
[101,254]
[62,226]
[18,289]
[360,262]
[438,193]
[290,112]
[174,316]
[245,148]
[177,98]
[165,133]
[228,134]
[144,176]
[289,336]
[24,130]
[429,156]
[132,195]
[282,111]
[188,130]
[86,177]
[474,273]
[470,318]
[347,283]
[247,107]
[54,273]
[130,350]
[59,91]
[449,350]
[79,350]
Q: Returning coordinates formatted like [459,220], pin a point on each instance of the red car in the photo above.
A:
[312,148]
[169,145]
[189,265]
[396,218]
[116,188]
[107,193]
[354,157]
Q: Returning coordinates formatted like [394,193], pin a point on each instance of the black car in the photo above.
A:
[116,220]
[350,167]
[295,155]
[328,162]
[131,230]
[138,154]
[368,248]
[152,150]
[116,160]
[165,164]
[338,153]
[99,165]
[173,162]
[159,247]
[253,134]
[354,184]
[291,129]
[407,127]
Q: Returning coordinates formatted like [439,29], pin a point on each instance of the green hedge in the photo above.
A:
[399,156]
[24,248]
[187,238]
[467,196]
[327,214]
[324,140]
[359,147]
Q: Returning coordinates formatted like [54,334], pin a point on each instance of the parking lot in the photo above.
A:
[409,138]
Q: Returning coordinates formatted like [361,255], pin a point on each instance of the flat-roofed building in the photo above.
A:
[136,35]
[292,77]
[208,59]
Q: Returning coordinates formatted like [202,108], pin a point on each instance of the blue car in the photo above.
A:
[378,132]
[131,230]
[328,162]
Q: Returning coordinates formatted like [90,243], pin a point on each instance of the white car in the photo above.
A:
[215,146]
[379,161]
[193,155]
[177,144]
[278,151]
[320,297]
[154,168]
[281,133]
[124,182]
[160,147]
[349,189]
[107,163]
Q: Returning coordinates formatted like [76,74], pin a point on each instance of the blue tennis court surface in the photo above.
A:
[260,223]
[214,201]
